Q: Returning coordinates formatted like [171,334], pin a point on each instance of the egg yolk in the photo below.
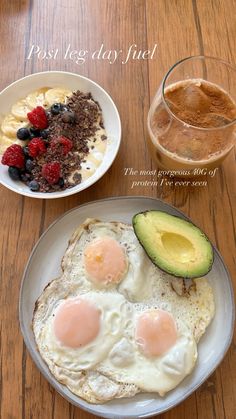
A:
[155,332]
[105,261]
[76,323]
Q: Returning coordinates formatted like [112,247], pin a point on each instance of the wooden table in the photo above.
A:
[179,28]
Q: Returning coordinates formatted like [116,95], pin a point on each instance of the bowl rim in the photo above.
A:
[68,191]
[55,384]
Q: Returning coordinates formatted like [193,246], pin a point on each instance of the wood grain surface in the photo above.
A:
[179,28]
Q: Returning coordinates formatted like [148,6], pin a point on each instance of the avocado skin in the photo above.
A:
[155,261]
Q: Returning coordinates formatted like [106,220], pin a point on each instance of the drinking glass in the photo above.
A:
[179,145]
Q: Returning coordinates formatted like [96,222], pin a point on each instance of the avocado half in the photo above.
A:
[173,244]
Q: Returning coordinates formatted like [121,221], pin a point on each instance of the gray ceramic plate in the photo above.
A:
[44,265]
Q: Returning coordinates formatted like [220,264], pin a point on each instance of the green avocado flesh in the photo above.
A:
[175,245]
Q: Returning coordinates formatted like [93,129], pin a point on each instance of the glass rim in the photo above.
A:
[163,91]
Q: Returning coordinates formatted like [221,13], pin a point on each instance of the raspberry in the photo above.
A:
[14,156]
[51,172]
[64,143]
[36,147]
[38,117]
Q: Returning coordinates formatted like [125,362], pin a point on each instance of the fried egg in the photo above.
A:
[155,362]
[117,256]
[112,325]
[76,326]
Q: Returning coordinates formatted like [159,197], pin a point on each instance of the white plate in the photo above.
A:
[19,90]
[44,265]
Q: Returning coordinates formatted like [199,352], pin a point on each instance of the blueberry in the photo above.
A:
[26,152]
[24,177]
[23,134]
[61,182]
[29,165]
[34,132]
[56,108]
[22,170]
[34,186]
[14,173]
[44,133]
[68,116]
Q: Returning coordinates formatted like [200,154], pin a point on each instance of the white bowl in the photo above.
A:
[20,88]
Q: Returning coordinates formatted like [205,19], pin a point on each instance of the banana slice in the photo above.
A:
[20,110]
[37,98]
[10,125]
[6,142]
[57,95]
